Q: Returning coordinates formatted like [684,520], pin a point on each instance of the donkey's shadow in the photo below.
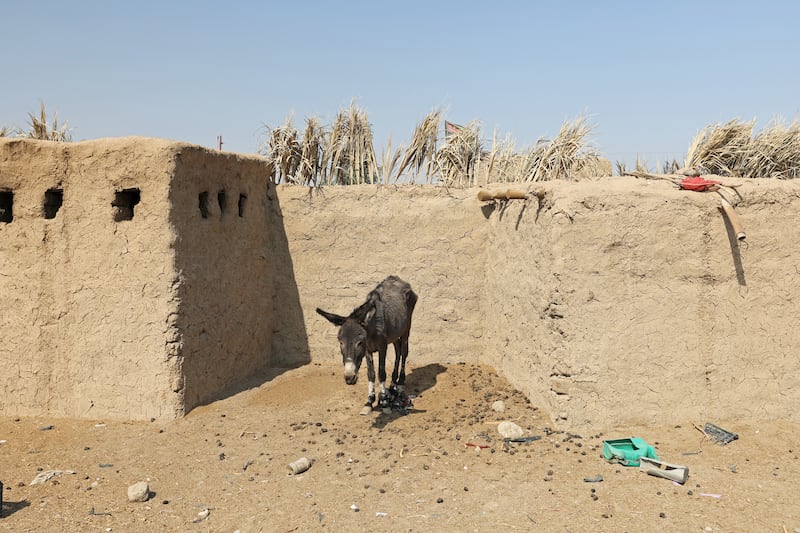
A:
[10,508]
[417,381]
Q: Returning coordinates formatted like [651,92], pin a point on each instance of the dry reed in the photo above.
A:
[312,153]
[721,148]
[456,161]
[40,129]
[284,150]
[567,156]
[422,149]
[350,150]
[390,163]
[732,149]
[775,152]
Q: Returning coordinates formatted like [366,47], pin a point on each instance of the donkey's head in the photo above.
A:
[352,338]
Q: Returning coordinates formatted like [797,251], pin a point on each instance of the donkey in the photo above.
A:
[384,318]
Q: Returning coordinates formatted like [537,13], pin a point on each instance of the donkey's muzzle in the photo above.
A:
[350,373]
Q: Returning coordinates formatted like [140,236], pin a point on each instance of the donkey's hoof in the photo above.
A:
[384,400]
[367,409]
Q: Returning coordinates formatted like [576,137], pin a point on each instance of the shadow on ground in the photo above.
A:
[10,508]
[417,381]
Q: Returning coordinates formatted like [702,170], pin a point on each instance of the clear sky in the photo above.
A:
[649,75]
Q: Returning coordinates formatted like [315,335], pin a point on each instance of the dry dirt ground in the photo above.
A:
[224,466]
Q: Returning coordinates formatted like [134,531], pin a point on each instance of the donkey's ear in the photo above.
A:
[333,318]
[368,317]
[374,311]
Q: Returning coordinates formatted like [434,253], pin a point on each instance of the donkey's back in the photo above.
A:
[395,302]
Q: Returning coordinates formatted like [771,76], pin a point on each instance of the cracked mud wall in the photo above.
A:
[344,240]
[633,303]
[119,298]
[612,301]
[84,296]
[224,269]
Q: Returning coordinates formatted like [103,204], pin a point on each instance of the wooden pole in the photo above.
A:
[736,223]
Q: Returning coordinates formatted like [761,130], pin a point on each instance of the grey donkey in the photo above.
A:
[384,318]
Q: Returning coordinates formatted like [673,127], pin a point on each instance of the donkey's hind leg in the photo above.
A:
[399,372]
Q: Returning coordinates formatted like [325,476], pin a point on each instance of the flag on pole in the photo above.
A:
[451,129]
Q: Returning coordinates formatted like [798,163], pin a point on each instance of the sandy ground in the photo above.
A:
[441,467]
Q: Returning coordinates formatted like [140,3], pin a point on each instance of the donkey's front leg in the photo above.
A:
[371,385]
[383,400]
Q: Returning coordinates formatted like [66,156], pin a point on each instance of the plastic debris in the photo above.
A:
[657,468]
[47,475]
[299,466]
[510,430]
[627,452]
[524,439]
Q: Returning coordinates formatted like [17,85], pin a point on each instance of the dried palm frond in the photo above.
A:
[774,152]
[284,150]
[457,159]
[423,146]
[566,155]
[670,167]
[40,129]
[721,148]
[351,152]
[390,162]
[312,153]
[503,162]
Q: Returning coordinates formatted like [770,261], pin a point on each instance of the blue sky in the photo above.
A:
[649,75]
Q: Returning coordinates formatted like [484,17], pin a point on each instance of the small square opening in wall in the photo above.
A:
[222,201]
[53,199]
[202,199]
[242,202]
[124,202]
[6,206]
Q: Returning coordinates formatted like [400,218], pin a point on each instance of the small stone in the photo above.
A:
[355,508]
[439,500]
[499,406]
[205,512]
[510,430]
[139,492]
[662,515]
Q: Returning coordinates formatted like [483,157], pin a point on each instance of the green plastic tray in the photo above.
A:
[627,451]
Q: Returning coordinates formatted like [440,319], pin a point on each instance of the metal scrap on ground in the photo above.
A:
[719,435]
